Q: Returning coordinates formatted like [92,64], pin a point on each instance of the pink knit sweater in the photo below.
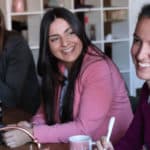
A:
[99,94]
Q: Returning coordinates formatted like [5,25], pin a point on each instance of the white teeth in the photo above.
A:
[144,64]
[67,50]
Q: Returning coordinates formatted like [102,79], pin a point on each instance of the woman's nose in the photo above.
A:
[64,41]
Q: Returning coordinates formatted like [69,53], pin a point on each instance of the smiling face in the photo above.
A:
[63,42]
[141,49]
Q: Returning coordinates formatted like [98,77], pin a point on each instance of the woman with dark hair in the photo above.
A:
[18,80]
[138,134]
[81,87]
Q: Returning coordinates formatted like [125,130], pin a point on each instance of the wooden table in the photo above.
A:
[13,116]
[51,146]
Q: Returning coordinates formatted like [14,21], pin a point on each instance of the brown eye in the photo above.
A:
[71,32]
[53,39]
[137,41]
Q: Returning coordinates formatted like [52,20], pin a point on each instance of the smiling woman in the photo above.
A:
[141,49]
[76,77]
[137,136]
[64,43]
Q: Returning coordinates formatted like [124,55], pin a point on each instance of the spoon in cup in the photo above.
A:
[110,127]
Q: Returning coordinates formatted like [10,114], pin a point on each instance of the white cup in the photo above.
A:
[81,142]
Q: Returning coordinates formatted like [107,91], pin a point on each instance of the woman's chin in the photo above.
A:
[143,76]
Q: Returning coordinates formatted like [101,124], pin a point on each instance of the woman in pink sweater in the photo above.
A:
[82,88]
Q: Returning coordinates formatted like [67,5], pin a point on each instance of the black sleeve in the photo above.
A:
[19,76]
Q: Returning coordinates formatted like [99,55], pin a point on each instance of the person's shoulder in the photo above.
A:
[94,61]
[96,57]
[13,36]
[91,56]
[16,44]
[13,39]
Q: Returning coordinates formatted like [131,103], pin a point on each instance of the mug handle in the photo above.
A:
[6,128]
[93,143]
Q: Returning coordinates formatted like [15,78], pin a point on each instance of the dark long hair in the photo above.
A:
[145,12]
[48,65]
[2,31]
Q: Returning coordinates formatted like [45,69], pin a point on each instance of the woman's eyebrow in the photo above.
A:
[53,35]
[68,29]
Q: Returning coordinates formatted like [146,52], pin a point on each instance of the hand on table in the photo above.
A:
[24,124]
[15,138]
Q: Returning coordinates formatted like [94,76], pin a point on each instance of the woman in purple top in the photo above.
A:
[138,134]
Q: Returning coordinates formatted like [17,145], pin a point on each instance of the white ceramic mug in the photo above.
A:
[81,142]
